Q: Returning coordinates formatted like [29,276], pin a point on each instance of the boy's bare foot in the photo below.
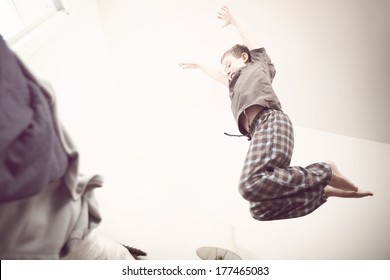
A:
[331,191]
[339,181]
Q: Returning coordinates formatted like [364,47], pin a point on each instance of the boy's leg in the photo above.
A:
[339,181]
[331,191]
[340,186]
[274,189]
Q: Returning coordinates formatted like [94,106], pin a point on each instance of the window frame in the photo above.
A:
[60,6]
[28,41]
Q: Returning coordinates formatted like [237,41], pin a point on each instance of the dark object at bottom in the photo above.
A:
[136,253]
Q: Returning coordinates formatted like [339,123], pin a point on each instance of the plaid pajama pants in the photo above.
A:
[274,189]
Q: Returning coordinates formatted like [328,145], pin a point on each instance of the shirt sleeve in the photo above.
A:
[260,55]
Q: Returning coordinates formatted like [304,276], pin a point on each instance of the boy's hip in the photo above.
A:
[267,115]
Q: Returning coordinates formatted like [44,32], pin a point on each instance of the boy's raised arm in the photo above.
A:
[249,40]
[215,74]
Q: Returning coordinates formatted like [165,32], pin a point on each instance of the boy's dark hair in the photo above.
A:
[237,50]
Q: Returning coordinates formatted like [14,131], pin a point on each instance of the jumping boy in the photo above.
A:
[274,189]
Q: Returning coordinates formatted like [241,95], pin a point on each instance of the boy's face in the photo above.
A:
[232,64]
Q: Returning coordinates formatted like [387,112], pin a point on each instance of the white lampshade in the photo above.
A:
[220,244]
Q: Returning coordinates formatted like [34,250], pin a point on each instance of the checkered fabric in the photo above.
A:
[274,189]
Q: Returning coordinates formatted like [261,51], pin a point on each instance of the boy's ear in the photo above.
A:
[245,56]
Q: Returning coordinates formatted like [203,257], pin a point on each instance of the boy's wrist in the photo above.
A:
[234,22]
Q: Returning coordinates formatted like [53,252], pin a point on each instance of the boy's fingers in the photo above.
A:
[225,8]
[221,16]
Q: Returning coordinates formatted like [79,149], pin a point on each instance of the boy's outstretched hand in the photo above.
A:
[225,15]
[186,65]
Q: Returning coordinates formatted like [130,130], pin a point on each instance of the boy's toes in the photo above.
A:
[362,193]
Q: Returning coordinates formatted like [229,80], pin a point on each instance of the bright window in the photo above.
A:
[19,16]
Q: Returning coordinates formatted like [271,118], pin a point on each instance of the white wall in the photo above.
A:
[73,57]
[331,57]
[155,132]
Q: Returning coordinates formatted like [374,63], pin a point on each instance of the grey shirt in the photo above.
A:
[252,85]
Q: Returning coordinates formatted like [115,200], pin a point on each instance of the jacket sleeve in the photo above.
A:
[30,152]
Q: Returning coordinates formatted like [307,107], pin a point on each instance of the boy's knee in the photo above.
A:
[268,210]
[251,191]
[246,190]
[259,215]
